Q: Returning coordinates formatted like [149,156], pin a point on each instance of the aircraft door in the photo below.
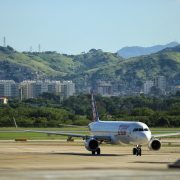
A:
[123,133]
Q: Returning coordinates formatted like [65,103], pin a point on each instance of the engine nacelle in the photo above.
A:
[154,144]
[91,144]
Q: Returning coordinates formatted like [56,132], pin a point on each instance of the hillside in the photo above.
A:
[28,65]
[138,69]
[46,64]
[87,68]
[134,51]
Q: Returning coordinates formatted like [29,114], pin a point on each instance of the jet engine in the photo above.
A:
[154,144]
[91,144]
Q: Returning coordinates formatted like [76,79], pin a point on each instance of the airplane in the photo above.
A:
[114,132]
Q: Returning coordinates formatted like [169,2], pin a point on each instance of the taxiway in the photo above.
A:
[70,160]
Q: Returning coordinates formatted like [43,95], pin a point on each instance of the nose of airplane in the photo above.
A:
[144,137]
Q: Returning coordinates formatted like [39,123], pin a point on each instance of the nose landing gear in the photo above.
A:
[137,150]
[98,151]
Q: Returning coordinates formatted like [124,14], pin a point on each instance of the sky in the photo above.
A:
[76,26]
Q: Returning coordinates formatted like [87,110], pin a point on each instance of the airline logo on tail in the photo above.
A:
[94,108]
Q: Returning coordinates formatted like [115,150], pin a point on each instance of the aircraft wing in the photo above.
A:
[63,133]
[99,138]
[166,135]
[59,133]
[69,134]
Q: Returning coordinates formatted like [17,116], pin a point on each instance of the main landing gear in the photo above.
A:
[137,150]
[98,152]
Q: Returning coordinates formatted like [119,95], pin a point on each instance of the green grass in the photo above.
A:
[165,131]
[37,136]
[42,136]
[164,128]
[28,136]
[156,131]
[52,129]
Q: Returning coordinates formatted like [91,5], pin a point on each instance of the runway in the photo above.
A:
[70,160]
[90,174]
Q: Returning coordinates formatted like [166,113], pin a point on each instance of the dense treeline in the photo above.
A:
[48,111]
[161,112]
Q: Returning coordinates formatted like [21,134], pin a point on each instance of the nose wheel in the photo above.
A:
[98,151]
[137,150]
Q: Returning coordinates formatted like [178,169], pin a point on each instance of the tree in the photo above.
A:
[142,112]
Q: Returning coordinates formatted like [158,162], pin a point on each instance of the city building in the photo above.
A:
[147,87]
[160,83]
[67,89]
[104,88]
[8,88]
[27,89]
[32,89]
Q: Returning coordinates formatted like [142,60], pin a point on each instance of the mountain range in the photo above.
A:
[127,52]
[87,68]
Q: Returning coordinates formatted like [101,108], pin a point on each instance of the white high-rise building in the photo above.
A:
[147,86]
[27,89]
[160,82]
[104,88]
[8,88]
[67,89]
[32,89]
[46,86]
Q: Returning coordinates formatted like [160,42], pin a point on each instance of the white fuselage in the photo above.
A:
[135,133]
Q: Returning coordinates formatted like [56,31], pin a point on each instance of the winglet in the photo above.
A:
[15,122]
[94,108]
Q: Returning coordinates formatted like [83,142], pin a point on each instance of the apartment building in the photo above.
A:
[8,88]
[32,89]
[147,87]
[67,89]
[104,88]
[160,83]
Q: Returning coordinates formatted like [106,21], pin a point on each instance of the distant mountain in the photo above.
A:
[134,51]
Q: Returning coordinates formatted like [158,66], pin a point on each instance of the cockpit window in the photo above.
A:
[135,129]
[145,129]
[140,129]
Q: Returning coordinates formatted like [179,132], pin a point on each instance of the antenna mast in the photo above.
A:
[4,41]
[39,48]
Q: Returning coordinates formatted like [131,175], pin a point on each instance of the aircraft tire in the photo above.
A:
[98,151]
[134,151]
[93,152]
[138,151]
